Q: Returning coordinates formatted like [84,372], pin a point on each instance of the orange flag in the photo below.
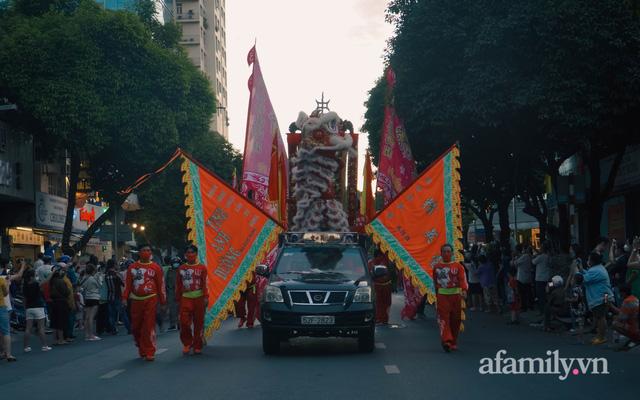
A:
[426,215]
[231,233]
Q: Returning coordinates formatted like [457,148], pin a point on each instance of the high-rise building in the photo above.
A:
[204,38]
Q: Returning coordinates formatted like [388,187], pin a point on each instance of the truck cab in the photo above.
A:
[320,286]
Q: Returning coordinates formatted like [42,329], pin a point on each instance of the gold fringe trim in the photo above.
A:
[384,246]
[229,307]
[188,200]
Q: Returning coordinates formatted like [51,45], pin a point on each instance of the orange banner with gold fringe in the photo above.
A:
[426,215]
[232,236]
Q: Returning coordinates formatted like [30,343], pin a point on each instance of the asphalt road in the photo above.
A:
[408,363]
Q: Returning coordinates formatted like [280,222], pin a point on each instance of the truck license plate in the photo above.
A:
[318,320]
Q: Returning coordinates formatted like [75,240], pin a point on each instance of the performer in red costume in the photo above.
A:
[144,286]
[451,286]
[382,286]
[193,296]
[248,306]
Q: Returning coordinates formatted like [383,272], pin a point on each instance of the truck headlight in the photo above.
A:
[273,294]
[363,295]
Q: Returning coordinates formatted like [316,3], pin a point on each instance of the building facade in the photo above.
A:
[203,25]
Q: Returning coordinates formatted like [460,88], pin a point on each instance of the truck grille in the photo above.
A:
[317,297]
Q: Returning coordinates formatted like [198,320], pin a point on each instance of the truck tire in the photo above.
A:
[270,342]
[367,340]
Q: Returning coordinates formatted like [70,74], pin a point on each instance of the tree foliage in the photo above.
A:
[162,199]
[520,85]
[106,86]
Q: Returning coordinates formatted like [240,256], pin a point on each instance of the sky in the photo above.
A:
[305,48]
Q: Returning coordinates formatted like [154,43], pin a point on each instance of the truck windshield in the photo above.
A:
[321,264]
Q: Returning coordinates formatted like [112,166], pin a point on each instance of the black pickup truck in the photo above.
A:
[320,286]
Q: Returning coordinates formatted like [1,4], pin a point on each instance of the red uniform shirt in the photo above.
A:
[191,277]
[450,275]
[144,280]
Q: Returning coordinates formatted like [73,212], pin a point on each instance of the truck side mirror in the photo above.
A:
[262,270]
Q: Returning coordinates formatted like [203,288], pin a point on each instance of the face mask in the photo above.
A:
[191,257]
[145,255]
[175,265]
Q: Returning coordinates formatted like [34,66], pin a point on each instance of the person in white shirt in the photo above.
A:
[522,262]
[475,290]
[542,263]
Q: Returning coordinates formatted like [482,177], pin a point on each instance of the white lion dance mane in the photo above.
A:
[314,174]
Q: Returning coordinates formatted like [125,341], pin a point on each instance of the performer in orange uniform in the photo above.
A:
[382,286]
[193,296]
[451,286]
[144,286]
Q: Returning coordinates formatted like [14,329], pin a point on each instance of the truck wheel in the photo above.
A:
[366,340]
[270,342]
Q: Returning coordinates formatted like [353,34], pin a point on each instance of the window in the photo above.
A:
[178,8]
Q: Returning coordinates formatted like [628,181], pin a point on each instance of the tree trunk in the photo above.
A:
[503,215]
[598,194]
[564,234]
[80,244]
[487,221]
[71,203]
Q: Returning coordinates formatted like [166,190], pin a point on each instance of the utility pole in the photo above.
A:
[115,233]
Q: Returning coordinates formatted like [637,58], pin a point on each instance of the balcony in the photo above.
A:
[190,39]
[189,16]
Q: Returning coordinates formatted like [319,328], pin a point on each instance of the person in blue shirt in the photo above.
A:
[598,291]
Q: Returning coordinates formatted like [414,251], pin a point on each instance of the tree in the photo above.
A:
[517,84]
[162,198]
[99,85]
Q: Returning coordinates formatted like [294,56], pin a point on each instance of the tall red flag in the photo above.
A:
[397,169]
[265,164]
[367,202]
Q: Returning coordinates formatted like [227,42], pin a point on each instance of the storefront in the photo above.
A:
[621,212]
[25,244]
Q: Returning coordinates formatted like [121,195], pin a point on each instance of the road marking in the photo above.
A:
[381,346]
[392,369]
[160,351]
[111,374]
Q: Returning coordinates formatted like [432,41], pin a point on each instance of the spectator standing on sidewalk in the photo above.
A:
[91,293]
[598,288]
[475,289]
[34,309]
[5,310]
[633,267]
[60,306]
[114,286]
[487,275]
[542,264]
[513,297]
[522,262]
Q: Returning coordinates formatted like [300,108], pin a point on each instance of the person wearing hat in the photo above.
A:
[144,286]
[556,304]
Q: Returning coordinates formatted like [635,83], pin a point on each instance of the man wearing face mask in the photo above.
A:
[451,286]
[144,286]
[193,296]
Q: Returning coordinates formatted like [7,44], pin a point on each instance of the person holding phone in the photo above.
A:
[5,310]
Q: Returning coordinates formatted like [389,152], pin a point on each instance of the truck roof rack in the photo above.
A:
[349,238]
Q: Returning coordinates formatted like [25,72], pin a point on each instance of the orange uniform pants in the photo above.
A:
[449,308]
[192,322]
[143,325]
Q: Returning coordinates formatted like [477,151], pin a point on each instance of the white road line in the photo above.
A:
[160,351]
[381,346]
[392,369]
[111,374]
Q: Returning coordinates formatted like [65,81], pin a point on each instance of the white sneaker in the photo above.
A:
[27,349]
[46,348]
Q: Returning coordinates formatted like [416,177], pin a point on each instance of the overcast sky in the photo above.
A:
[305,47]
